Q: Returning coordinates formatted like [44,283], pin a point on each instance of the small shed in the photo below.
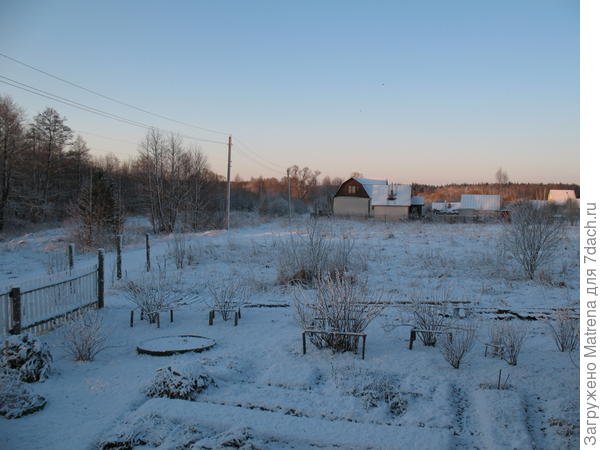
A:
[476,204]
[561,196]
[416,206]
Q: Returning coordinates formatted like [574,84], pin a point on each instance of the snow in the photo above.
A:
[266,388]
[379,195]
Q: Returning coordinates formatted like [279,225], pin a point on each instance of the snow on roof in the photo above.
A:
[380,193]
[480,202]
[364,181]
[368,184]
[561,196]
[417,200]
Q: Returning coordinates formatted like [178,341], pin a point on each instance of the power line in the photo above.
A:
[279,167]
[104,137]
[137,108]
[90,109]
[112,99]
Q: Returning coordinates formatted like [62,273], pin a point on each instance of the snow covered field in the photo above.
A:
[268,394]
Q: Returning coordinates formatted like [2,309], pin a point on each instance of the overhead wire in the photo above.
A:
[249,153]
[91,109]
[112,99]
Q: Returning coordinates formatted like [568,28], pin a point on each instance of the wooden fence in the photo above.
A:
[39,307]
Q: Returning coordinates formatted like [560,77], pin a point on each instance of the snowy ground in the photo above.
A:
[268,394]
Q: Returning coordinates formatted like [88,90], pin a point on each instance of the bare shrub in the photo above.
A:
[29,356]
[495,335]
[339,304]
[303,258]
[457,343]
[227,296]
[176,383]
[565,330]
[533,237]
[430,315]
[178,249]
[150,294]
[513,336]
[83,337]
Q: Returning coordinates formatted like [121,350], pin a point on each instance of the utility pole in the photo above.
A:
[289,195]
[228,199]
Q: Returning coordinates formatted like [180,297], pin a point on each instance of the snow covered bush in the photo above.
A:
[340,303]
[512,337]
[83,336]
[175,383]
[16,399]
[227,296]
[430,315]
[379,389]
[27,355]
[304,258]
[533,237]
[150,294]
[456,344]
[565,331]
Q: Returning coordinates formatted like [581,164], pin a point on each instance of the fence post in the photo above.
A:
[147,252]
[71,253]
[15,298]
[119,256]
[100,278]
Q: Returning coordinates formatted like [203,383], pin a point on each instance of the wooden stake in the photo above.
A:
[15,298]
[100,278]
[119,256]
[228,199]
[147,252]
[71,253]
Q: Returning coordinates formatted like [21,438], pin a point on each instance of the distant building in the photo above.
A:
[364,197]
[416,206]
[445,207]
[479,204]
[561,196]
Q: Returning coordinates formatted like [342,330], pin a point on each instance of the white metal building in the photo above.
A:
[479,203]
[561,196]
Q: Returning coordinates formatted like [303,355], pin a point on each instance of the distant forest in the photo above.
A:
[47,175]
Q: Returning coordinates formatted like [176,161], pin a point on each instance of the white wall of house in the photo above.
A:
[351,206]
[390,212]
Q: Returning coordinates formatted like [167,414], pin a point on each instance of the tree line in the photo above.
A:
[47,175]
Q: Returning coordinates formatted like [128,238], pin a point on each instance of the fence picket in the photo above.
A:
[42,307]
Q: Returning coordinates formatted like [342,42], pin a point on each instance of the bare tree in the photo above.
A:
[303,181]
[52,135]
[501,176]
[173,178]
[533,236]
[11,136]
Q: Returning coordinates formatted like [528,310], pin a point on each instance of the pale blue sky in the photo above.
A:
[419,91]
